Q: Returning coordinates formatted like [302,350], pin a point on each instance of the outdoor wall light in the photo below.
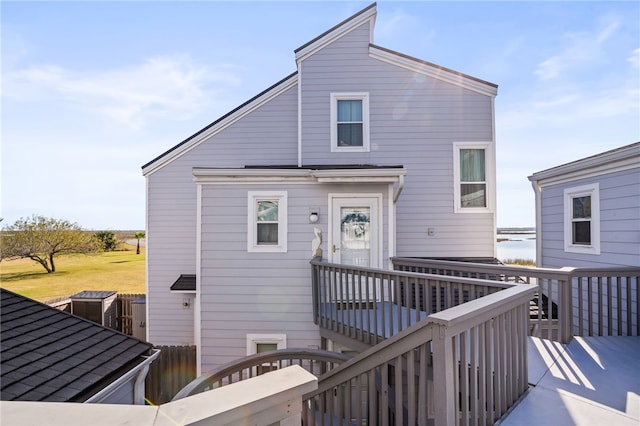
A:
[314,216]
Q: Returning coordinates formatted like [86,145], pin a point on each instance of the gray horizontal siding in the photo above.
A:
[619,222]
[267,136]
[260,293]
[414,121]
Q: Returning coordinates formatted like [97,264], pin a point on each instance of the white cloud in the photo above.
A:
[164,87]
[634,59]
[576,49]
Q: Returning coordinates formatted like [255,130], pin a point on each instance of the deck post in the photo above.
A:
[565,306]
[445,398]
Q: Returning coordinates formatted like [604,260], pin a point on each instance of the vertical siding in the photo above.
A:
[267,136]
[414,121]
[619,222]
[260,293]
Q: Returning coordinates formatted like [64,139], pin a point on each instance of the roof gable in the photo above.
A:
[50,355]
[368,14]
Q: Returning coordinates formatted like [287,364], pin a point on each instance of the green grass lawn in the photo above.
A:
[122,271]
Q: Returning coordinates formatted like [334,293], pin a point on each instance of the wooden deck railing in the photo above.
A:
[370,305]
[314,361]
[571,301]
[465,364]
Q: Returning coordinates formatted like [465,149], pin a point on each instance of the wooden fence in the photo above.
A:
[170,372]
[125,312]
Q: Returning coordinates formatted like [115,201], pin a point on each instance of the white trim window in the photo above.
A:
[349,122]
[267,221]
[472,172]
[582,219]
[258,343]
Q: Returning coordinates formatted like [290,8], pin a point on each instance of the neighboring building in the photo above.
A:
[370,152]
[588,211]
[52,356]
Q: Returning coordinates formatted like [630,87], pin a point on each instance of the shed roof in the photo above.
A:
[50,355]
[93,295]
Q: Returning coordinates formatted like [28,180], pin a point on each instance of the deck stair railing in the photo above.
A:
[571,301]
[466,364]
[314,361]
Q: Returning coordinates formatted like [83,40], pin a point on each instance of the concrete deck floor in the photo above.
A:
[590,381]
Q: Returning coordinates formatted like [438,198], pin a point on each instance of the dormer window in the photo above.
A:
[350,122]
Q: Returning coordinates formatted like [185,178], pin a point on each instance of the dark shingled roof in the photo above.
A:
[50,355]
[92,295]
[185,282]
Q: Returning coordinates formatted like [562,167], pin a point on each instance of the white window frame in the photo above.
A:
[253,340]
[364,97]
[592,190]
[489,173]
[252,224]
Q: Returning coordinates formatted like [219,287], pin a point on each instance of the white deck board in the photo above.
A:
[590,381]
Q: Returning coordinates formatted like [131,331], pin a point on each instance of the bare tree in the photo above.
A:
[41,238]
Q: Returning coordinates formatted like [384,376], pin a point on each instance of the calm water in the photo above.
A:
[518,246]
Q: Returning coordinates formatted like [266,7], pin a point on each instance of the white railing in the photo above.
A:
[571,301]
[274,398]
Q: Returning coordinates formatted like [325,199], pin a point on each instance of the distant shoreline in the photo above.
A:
[516,231]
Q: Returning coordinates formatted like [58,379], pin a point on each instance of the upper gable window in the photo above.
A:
[472,171]
[350,122]
[267,221]
[582,219]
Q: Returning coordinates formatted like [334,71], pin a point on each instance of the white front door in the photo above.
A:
[354,226]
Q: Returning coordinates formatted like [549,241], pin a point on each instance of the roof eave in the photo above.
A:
[222,122]
[618,159]
[432,70]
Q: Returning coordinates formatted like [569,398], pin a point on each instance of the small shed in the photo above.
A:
[97,306]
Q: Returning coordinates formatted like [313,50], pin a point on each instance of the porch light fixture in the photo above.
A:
[314,216]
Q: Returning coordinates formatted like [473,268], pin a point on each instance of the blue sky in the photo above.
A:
[91,91]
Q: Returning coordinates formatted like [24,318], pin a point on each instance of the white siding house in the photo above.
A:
[588,211]
[380,153]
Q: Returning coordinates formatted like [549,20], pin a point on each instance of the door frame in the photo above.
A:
[375,201]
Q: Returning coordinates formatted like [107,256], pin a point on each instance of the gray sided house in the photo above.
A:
[588,211]
[360,155]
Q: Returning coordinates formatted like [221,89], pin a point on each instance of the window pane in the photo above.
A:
[267,233]
[582,232]
[582,207]
[266,347]
[472,165]
[473,195]
[349,110]
[350,134]
[267,211]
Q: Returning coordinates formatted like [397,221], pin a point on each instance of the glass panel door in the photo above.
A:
[355,236]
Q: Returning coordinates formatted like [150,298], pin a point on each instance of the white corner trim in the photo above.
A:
[433,71]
